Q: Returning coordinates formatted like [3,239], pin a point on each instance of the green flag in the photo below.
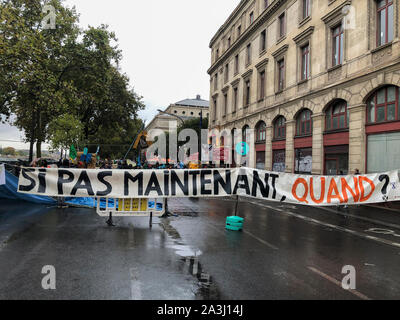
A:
[72,152]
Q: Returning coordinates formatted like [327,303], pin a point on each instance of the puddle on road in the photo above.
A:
[188,257]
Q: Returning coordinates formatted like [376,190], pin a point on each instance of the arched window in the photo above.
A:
[245,130]
[261,131]
[304,123]
[337,116]
[280,128]
[383,106]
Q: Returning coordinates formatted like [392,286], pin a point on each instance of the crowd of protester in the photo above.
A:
[115,164]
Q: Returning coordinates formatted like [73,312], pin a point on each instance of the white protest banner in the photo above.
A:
[2,174]
[283,187]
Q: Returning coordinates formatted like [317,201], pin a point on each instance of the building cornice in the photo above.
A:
[280,51]
[235,82]
[268,12]
[335,13]
[225,89]
[232,16]
[262,64]
[247,74]
[304,35]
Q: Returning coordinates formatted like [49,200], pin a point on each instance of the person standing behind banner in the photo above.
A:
[61,200]
[339,207]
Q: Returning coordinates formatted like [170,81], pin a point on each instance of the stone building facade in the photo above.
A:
[185,110]
[317,79]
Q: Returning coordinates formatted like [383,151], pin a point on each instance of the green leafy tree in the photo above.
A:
[32,59]
[49,73]
[104,97]
[65,131]
[9,151]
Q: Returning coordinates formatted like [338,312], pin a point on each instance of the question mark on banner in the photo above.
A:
[384,189]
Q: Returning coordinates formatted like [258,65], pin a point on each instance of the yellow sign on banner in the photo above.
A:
[132,205]
[143,205]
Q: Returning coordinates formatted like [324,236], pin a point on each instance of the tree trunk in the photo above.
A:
[32,137]
[39,135]
[31,143]
[38,149]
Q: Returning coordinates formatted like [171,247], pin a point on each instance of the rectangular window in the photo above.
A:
[237,64]
[216,82]
[251,17]
[281,75]
[385,22]
[229,42]
[226,72]
[215,109]
[282,28]
[225,104]
[279,160]
[265,3]
[305,62]
[306,8]
[337,45]
[262,84]
[235,99]
[248,54]
[217,53]
[239,29]
[247,96]
[263,41]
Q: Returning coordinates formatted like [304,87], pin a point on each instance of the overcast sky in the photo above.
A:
[164,45]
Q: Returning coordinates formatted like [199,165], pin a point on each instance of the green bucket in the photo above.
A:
[234,228]
[234,223]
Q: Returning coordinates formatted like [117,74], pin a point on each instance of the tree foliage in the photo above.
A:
[65,131]
[47,73]
[9,151]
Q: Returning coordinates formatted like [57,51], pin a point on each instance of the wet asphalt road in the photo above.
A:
[284,252]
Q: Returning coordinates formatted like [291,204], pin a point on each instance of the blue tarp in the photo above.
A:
[9,191]
[90,202]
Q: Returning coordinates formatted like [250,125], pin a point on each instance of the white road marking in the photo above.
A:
[338,283]
[249,234]
[136,288]
[356,233]
[261,240]
[391,225]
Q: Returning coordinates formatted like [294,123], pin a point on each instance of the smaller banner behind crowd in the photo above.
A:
[283,187]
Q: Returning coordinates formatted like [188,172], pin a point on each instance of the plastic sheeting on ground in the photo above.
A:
[90,202]
[9,191]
